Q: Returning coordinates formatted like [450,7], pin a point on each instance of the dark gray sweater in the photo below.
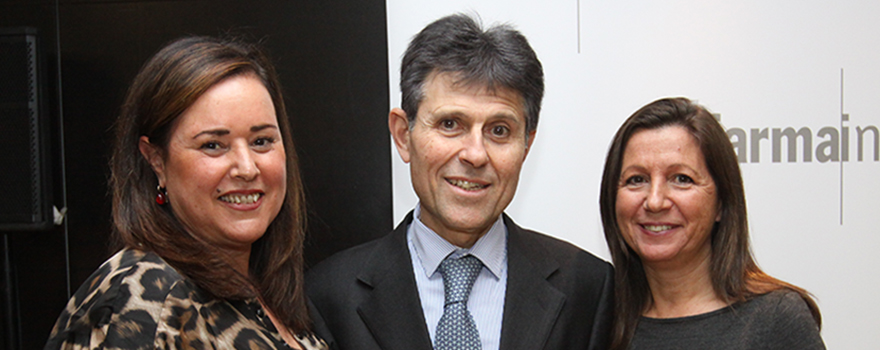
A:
[776,320]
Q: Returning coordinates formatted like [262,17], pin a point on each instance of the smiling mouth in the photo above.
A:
[241,198]
[466,185]
[657,228]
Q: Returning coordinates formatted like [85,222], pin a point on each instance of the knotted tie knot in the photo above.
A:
[459,276]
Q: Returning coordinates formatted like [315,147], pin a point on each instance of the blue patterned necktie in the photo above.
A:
[456,329]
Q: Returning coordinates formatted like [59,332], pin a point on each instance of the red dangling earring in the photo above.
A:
[161,199]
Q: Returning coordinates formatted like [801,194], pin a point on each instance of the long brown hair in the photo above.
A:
[735,275]
[171,81]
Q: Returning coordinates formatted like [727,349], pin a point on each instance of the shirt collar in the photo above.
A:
[491,249]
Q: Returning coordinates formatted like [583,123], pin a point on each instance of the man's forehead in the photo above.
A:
[461,81]
[457,81]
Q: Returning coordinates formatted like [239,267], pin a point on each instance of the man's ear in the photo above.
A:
[529,142]
[398,125]
[152,155]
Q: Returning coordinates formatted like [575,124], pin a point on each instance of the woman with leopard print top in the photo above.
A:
[208,210]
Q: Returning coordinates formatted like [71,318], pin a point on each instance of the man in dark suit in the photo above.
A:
[458,273]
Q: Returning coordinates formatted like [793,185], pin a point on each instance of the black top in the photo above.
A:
[776,320]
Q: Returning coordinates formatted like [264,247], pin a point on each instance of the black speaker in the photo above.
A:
[24,176]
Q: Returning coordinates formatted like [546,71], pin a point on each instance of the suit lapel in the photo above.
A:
[531,304]
[393,312]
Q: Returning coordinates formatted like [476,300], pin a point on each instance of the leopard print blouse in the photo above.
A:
[137,301]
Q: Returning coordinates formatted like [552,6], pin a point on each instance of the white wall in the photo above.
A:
[760,64]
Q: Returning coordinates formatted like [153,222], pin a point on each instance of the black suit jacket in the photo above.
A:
[558,296]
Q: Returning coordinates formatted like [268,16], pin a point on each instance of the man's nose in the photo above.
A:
[473,150]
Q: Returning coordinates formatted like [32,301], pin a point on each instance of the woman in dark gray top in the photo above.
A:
[674,214]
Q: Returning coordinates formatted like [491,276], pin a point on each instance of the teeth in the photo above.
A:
[657,228]
[466,185]
[241,199]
